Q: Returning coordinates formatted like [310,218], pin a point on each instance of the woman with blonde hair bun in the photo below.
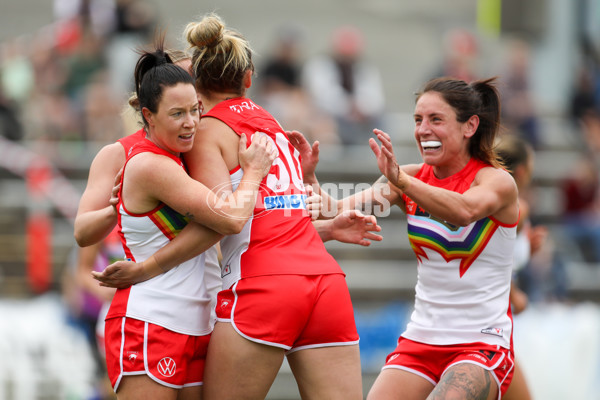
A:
[284,295]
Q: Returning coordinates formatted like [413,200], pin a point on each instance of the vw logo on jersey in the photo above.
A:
[166,367]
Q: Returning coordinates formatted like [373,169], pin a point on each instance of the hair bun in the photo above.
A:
[206,33]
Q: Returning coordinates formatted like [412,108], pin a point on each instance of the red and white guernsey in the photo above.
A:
[464,273]
[178,299]
[212,269]
[279,238]
[128,141]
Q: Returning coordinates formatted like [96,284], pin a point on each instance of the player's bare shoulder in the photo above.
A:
[501,182]
[496,177]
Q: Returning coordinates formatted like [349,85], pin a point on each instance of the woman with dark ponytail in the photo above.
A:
[157,331]
[462,210]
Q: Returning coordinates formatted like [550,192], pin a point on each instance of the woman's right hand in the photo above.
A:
[259,156]
[309,154]
[386,160]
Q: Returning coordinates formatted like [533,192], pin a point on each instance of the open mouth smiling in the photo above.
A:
[431,145]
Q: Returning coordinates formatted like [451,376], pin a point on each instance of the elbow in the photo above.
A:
[79,232]
[81,240]
[83,237]
[460,222]
[232,227]
[463,219]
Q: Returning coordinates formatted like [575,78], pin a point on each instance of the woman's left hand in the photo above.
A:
[354,227]
[122,274]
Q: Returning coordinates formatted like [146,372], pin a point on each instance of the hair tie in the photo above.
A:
[214,41]
[161,58]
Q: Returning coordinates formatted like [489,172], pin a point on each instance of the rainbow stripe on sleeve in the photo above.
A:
[169,221]
[464,243]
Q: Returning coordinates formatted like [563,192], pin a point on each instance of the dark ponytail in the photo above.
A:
[153,72]
[482,143]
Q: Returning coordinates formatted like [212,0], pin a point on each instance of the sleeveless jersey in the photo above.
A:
[178,299]
[128,141]
[464,273]
[279,238]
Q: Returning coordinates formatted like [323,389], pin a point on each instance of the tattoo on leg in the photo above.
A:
[463,381]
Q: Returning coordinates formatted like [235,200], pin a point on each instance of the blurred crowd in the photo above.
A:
[70,79]
[70,82]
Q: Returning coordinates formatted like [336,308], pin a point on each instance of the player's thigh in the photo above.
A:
[518,389]
[398,384]
[328,372]
[141,387]
[191,393]
[467,381]
[237,368]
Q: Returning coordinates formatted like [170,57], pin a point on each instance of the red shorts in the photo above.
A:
[135,347]
[293,312]
[431,361]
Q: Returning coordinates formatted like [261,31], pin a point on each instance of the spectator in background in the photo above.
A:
[280,89]
[346,86]
[283,67]
[518,108]
[49,110]
[10,123]
[98,15]
[461,56]
[590,127]
[17,79]
[135,16]
[585,101]
[586,91]
[16,84]
[93,42]
[583,98]
[135,23]
[83,63]
[100,110]
[85,67]
[581,215]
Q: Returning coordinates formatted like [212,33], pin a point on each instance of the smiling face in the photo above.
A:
[442,140]
[173,126]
